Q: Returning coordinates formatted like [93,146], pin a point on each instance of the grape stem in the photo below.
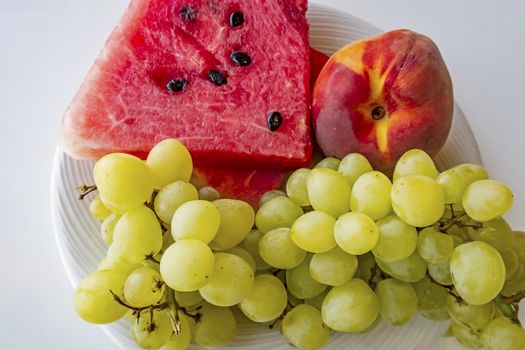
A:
[376,276]
[138,310]
[455,220]
[150,257]
[84,190]
[449,289]
[510,306]
[173,312]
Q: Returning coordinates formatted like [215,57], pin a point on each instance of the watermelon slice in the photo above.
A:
[229,78]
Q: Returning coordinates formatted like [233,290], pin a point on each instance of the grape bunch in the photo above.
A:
[340,247]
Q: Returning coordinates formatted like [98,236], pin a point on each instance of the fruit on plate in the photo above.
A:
[382,96]
[229,79]
[317,62]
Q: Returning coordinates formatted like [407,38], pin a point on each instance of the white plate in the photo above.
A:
[81,247]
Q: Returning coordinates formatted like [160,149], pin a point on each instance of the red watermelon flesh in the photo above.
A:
[124,104]
[317,62]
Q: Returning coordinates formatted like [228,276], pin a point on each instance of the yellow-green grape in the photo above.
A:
[415,162]
[93,300]
[397,239]
[519,245]
[503,334]
[267,196]
[433,246]
[466,336]
[182,340]
[476,317]
[352,166]
[98,210]
[152,330]
[267,299]
[356,233]
[237,219]
[430,298]
[296,187]
[411,269]
[397,301]
[170,161]
[230,282]
[333,268]
[314,232]
[329,162]
[188,299]
[515,284]
[278,250]
[470,173]
[328,191]
[208,193]
[124,182]
[244,254]
[452,185]
[187,265]
[510,259]
[251,245]
[365,264]
[439,314]
[276,213]
[167,240]
[371,195]
[317,301]
[485,200]
[144,287]
[108,227]
[478,272]
[440,273]
[139,233]
[303,328]
[115,261]
[352,307]
[300,283]
[418,200]
[196,219]
[293,300]
[496,233]
[216,328]
[171,197]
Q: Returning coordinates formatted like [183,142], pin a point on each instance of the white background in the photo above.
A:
[47,46]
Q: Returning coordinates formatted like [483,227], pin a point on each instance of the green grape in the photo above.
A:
[170,161]
[98,210]
[276,213]
[267,196]
[296,187]
[115,261]
[244,254]
[466,336]
[516,283]
[519,245]
[351,308]
[182,340]
[328,191]
[430,295]
[93,300]
[433,246]
[397,301]
[438,314]
[144,287]
[354,165]
[411,269]
[329,162]
[267,299]
[356,233]
[371,195]
[278,250]
[139,234]
[293,300]
[188,299]
[317,301]
[496,233]
[123,181]
[476,317]
[216,328]
[470,173]
[208,193]
[152,330]
[187,265]
[167,240]
[503,334]
[452,185]
[303,328]
[108,227]
[418,200]
[230,282]
[333,268]
[415,162]
[251,244]
[366,263]
[300,283]
[485,200]
[440,273]
[510,259]
[478,272]
[397,240]
[196,219]
[314,232]
[171,197]
[236,221]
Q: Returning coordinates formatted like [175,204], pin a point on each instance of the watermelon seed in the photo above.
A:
[188,14]
[275,119]
[236,19]
[177,85]
[217,78]
[240,58]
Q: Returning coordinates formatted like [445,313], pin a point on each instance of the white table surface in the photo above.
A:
[47,46]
